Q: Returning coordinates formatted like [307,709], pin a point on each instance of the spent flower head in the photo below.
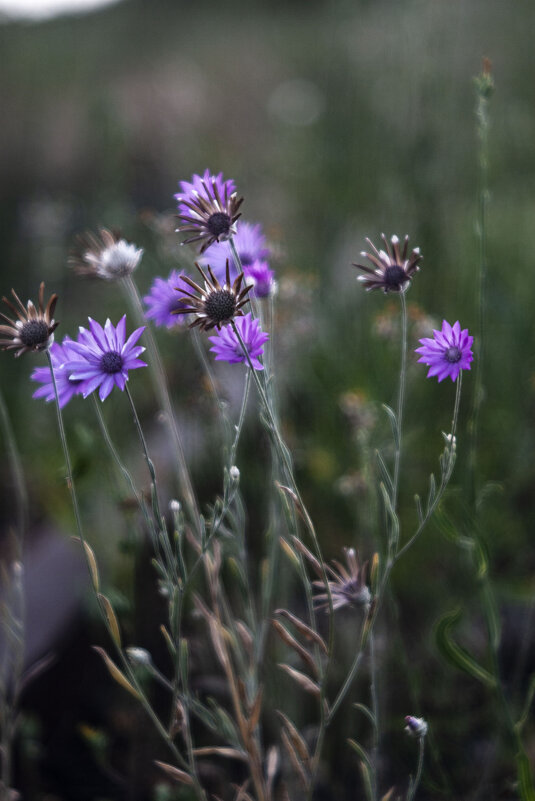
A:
[208,209]
[34,327]
[348,585]
[447,352]
[102,357]
[392,268]
[227,347]
[214,304]
[162,302]
[105,255]
[66,388]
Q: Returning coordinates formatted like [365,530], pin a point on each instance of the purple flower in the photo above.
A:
[102,357]
[261,277]
[228,348]
[208,208]
[250,243]
[59,354]
[448,352]
[163,300]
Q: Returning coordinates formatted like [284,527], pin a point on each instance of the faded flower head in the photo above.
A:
[250,244]
[105,255]
[34,327]
[162,302]
[416,727]
[261,277]
[102,357]
[228,348]
[447,352]
[392,268]
[348,585]
[214,304]
[66,388]
[208,209]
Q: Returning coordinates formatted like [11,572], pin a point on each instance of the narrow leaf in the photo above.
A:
[230,753]
[525,782]
[286,637]
[307,632]
[393,422]
[385,474]
[302,679]
[294,758]
[456,655]
[366,711]
[174,773]
[91,561]
[119,677]
[110,617]
[297,741]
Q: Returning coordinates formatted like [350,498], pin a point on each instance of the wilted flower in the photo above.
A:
[348,587]
[416,727]
[103,356]
[66,388]
[163,302]
[106,256]
[214,305]
[208,208]
[227,346]
[34,328]
[250,244]
[392,269]
[448,352]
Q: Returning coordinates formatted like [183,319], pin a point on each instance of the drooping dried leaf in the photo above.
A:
[302,548]
[297,740]
[110,617]
[119,677]
[256,709]
[174,773]
[246,637]
[289,551]
[294,759]
[290,640]
[302,679]
[303,628]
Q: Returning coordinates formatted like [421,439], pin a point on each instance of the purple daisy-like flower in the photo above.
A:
[250,243]
[261,277]
[163,301]
[59,354]
[208,209]
[227,346]
[102,357]
[447,352]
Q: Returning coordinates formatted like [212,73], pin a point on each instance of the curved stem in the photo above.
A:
[414,784]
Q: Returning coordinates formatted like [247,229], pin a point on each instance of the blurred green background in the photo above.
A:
[338,120]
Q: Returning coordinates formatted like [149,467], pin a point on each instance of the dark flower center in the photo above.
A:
[453,355]
[220,305]
[111,362]
[219,224]
[34,333]
[395,276]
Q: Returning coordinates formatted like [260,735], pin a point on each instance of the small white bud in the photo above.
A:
[174,506]
[234,473]
[138,656]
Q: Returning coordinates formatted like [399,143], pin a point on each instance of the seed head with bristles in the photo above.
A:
[392,268]
[34,327]
[214,305]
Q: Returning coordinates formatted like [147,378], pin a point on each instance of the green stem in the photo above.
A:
[162,392]
[414,784]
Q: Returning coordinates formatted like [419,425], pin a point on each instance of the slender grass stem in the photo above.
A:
[414,783]
[162,391]
[401,398]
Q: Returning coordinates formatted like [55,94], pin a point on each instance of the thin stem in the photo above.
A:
[414,783]
[375,711]
[446,473]
[401,397]
[162,391]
